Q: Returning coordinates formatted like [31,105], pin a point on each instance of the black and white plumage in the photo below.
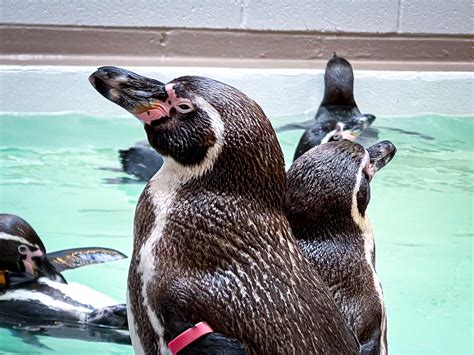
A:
[328,194]
[337,108]
[211,241]
[35,297]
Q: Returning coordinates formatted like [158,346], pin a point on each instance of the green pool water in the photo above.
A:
[422,210]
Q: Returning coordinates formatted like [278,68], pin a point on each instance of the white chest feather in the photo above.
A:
[369,248]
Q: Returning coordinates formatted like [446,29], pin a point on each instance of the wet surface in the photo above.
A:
[52,174]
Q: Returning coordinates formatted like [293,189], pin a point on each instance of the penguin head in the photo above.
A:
[334,130]
[21,251]
[196,122]
[338,83]
[330,184]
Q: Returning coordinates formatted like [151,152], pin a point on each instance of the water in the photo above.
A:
[421,208]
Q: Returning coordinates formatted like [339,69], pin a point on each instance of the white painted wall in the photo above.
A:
[52,89]
[368,16]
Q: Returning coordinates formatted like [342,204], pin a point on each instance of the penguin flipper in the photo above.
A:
[73,258]
[215,344]
[141,161]
[111,316]
[375,344]
[371,347]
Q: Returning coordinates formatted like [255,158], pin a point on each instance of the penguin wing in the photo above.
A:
[73,258]
[114,316]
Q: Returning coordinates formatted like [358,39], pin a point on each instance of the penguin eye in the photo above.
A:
[184,108]
[23,249]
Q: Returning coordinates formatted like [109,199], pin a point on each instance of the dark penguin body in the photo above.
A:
[326,203]
[141,161]
[35,297]
[211,241]
[338,106]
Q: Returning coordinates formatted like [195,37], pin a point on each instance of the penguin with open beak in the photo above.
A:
[35,297]
[326,205]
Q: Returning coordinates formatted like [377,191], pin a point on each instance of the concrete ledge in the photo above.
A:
[53,89]
[170,46]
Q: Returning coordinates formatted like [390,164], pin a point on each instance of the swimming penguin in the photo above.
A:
[213,252]
[141,161]
[338,106]
[327,198]
[35,296]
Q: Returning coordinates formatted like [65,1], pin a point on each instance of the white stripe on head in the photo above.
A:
[21,240]
[369,246]
[217,125]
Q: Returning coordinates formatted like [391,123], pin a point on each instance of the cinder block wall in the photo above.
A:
[439,31]
[352,16]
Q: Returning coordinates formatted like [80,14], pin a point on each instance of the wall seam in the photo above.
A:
[243,13]
[399,14]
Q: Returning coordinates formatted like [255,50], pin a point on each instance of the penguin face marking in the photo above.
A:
[19,255]
[27,254]
[192,139]
[22,251]
[180,117]
[172,104]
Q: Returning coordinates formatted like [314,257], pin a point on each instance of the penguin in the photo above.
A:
[326,205]
[141,161]
[35,297]
[211,241]
[338,105]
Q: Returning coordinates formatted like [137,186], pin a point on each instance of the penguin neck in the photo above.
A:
[338,97]
[181,202]
[190,217]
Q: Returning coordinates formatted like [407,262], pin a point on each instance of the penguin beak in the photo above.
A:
[381,154]
[139,95]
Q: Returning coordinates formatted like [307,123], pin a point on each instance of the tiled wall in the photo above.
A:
[360,16]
